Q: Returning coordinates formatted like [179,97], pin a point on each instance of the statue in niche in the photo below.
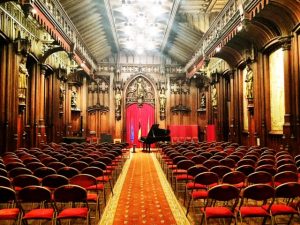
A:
[249,82]
[162,100]
[23,76]
[74,98]
[203,101]
[118,97]
[140,91]
[214,96]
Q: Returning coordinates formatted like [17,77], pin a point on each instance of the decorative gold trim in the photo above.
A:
[177,209]
[111,206]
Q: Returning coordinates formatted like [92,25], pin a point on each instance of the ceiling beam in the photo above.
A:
[173,13]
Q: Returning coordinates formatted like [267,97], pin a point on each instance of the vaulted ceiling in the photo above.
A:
[102,25]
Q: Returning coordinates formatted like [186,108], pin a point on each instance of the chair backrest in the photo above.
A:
[56,165]
[25,180]
[98,164]
[70,193]
[34,194]
[243,162]
[198,159]
[207,178]
[68,171]
[7,195]
[267,168]
[34,165]
[234,177]
[83,180]
[266,162]
[195,170]
[185,164]
[245,169]
[3,172]
[53,181]
[259,192]
[224,192]
[69,160]
[210,163]
[44,171]
[5,181]
[228,162]
[220,170]
[289,190]
[94,171]
[287,167]
[13,165]
[19,171]
[285,176]
[260,177]
[79,165]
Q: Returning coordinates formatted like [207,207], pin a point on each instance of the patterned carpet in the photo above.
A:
[143,196]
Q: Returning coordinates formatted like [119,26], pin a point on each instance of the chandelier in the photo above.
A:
[142,27]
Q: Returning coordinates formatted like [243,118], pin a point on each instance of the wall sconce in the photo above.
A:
[22,45]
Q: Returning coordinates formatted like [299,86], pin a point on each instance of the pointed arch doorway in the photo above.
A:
[140,109]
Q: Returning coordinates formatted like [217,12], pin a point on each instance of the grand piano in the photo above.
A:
[155,134]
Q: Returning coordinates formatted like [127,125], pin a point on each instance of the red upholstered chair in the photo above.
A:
[79,165]
[78,207]
[40,196]
[43,172]
[12,165]
[181,174]
[24,180]
[228,162]
[243,162]
[236,178]
[68,171]
[5,181]
[260,177]
[19,171]
[263,196]
[284,177]
[285,195]
[210,163]
[34,165]
[246,169]
[221,203]
[54,181]
[86,181]
[206,180]
[10,211]
[287,167]
[56,165]
[221,171]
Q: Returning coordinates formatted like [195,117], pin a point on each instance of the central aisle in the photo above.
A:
[143,196]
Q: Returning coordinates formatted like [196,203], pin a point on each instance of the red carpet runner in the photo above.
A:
[142,195]
[142,200]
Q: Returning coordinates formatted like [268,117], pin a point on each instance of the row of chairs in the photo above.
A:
[67,202]
[238,161]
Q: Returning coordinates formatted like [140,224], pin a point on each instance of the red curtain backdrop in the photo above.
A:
[138,117]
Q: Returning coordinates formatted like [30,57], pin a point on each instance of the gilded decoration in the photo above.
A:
[140,91]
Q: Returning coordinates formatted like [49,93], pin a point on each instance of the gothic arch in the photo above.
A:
[130,90]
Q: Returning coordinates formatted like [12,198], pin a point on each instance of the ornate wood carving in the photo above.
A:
[99,87]
[181,87]
[140,91]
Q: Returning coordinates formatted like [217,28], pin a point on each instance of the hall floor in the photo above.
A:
[142,195]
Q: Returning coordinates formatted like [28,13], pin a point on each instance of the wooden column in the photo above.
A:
[288,117]
[41,126]
[231,112]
